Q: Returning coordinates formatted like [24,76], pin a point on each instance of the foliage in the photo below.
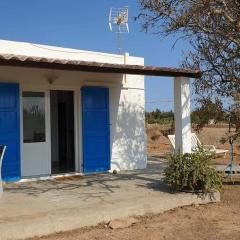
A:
[192,171]
[159,117]
[234,114]
[212,28]
[205,111]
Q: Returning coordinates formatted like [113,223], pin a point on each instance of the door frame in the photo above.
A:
[47,122]
[77,121]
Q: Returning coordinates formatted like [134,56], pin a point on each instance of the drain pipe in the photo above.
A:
[125,56]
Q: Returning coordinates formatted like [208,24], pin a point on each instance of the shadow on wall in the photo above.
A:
[128,137]
[186,120]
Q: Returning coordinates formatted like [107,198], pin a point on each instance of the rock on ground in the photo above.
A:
[122,223]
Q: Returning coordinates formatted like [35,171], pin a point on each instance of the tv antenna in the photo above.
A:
[118,23]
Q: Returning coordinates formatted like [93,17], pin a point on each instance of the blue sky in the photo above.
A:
[84,25]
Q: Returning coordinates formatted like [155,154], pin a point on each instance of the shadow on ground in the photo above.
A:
[96,185]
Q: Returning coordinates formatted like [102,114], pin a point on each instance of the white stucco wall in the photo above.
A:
[38,50]
[127,100]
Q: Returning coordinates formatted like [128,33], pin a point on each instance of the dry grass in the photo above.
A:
[159,145]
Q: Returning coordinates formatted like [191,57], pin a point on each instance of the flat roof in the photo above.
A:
[86,66]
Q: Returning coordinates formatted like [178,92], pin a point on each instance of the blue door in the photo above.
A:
[9,130]
[96,132]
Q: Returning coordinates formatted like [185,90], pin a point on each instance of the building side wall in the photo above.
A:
[128,129]
[127,108]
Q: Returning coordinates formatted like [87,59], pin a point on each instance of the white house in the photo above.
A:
[67,110]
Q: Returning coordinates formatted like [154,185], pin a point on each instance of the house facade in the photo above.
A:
[56,121]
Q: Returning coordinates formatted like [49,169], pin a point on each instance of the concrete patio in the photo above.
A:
[44,207]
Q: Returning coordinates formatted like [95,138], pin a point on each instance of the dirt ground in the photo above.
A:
[159,145]
[214,221]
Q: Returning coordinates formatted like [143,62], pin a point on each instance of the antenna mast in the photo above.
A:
[118,23]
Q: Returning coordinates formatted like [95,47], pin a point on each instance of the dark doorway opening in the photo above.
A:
[62,131]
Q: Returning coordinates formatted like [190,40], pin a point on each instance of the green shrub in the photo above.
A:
[192,171]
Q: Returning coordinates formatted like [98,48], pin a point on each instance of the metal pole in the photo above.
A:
[230,165]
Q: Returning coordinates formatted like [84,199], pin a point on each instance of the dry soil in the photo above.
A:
[218,221]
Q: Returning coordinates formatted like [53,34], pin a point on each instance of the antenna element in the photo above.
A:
[118,23]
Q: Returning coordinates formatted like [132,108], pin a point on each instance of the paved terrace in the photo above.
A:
[44,207]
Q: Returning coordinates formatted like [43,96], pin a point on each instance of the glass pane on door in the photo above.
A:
[34,129]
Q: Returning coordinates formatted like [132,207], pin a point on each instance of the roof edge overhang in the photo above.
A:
[84,66]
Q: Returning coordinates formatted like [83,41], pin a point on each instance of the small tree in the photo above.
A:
[208,110]
[212,28]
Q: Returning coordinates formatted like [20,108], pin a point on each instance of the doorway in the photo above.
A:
[62,131]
